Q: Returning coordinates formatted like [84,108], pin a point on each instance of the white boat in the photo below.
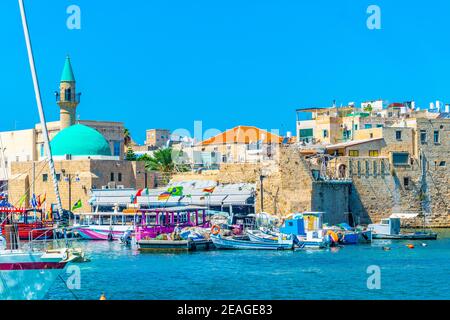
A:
[104,226]
[29,275]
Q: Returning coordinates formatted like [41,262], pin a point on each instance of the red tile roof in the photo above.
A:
[243,134]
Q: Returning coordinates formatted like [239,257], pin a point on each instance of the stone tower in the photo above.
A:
[67,97]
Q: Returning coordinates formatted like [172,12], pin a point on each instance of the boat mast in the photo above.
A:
[40,108]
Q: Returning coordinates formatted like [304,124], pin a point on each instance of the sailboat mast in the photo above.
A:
[40,108]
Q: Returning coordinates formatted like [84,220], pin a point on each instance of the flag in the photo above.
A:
[77,205]
[164,196]
[176,191]
[33,201]
[140,193]
[209,190]
[22,200]
[42,200]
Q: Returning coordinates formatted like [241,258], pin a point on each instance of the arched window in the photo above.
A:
[68,94]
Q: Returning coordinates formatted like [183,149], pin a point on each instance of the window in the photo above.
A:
[442,164]
[406,182]
[325,133]
[374,153]
[368,126]
[383,168]
[436,137]
[42,150]
[367,168]
[17,158]
[398,135]
[112,176]
[359,168]
[400,158]
[380,126]
[119,177]
[375,168]
[44,177]
[117,145]
[58,177]
[423,136]
[353,153]
[355,127]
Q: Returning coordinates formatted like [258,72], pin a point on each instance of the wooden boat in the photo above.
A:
[234,244]
[29,224]
[175,245]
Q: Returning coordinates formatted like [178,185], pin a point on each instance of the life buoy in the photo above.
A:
[215,230]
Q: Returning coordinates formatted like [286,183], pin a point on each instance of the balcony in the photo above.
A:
[73,97]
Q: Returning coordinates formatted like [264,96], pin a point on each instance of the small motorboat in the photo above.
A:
[221,242]
[389,229]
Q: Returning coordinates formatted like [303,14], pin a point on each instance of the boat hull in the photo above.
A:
[232,244]
[28,276]
[102,232]
[411,236]
[175,245]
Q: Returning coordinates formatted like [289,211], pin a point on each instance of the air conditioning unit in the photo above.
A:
[105,188]
[121,187]
[111,185]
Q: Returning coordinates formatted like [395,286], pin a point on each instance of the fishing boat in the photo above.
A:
[221,242]
[347,235]
[390,229]
[308,230]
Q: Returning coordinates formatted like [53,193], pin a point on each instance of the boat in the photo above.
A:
[159,221]
[390,229]
[29,222]
[262,235]
[308,230]
[221,242]
[175,245]
[104,226]
[350,236]
[27,272]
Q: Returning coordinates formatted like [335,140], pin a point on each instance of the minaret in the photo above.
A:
[68,99]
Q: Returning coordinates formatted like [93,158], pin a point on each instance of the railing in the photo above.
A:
[74,97]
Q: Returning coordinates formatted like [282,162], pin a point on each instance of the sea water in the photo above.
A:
[338,273]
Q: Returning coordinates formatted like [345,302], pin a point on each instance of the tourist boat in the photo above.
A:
[29,223]
[104,226]
[390,229]
[159,221]
[175,245]
[221,242]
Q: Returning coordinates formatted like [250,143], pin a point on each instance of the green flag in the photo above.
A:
[77,205]
[176,191]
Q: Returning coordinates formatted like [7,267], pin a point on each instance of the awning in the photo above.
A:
[404,215]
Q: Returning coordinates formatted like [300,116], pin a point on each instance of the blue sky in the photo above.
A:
[168,63]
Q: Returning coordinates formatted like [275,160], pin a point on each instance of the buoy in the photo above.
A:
[386,248]
[411,246]
[424,245]
[103,297]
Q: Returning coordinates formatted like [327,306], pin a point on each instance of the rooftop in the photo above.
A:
[244,135]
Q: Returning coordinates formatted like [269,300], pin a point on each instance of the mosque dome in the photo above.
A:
[80,140]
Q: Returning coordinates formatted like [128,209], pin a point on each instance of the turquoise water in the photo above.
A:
[121,273]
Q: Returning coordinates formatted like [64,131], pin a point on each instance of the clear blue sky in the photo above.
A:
[167,63]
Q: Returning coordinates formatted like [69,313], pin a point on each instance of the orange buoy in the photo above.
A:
[411,246]
[215,230]
[103,297]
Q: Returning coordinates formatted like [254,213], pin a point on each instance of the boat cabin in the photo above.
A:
[388,226]
[164,220]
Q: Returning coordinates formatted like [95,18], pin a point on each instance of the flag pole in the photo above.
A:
[40,108]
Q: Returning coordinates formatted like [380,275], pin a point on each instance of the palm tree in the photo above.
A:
[126,137]
[162,161]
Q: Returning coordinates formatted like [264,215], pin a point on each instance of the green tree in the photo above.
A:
[163,162]
[130,156]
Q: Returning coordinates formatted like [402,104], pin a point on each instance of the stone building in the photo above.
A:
[83,162]
[28,145]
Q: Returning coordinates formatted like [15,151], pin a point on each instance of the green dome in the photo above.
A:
[80,140]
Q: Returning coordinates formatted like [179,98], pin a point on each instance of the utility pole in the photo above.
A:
[261,179]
